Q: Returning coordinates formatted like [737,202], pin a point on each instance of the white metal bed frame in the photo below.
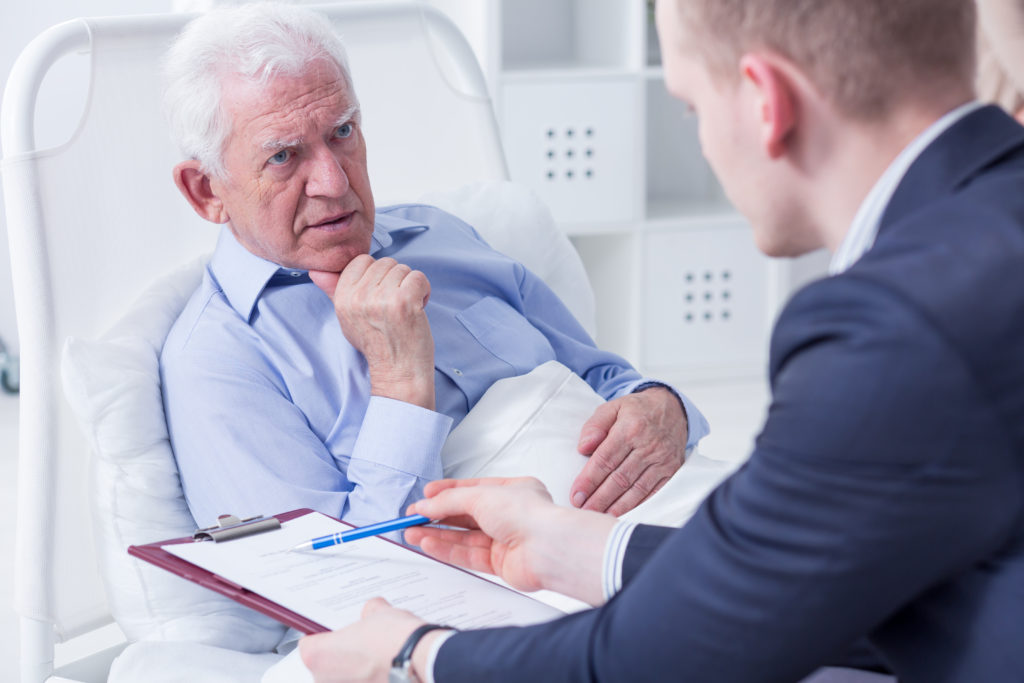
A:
[445,105]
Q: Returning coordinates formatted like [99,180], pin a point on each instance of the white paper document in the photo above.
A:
[330,586]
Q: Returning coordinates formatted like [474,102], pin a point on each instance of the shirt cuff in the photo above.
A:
[403,437]
[697,426]
[435,647]
[614,553]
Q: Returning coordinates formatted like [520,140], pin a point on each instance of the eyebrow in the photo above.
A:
[276,145]
[350,114]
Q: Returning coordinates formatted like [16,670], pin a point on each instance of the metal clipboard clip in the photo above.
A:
[230,527]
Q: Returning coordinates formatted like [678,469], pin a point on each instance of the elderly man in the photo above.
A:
[885,496]
[278,396]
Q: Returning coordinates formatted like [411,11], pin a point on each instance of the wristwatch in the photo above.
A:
[401,665]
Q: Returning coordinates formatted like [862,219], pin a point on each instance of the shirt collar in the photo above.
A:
[864,229]
[243,276]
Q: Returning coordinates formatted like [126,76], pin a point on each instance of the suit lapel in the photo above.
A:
[960,153]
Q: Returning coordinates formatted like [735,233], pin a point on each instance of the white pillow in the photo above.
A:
[113,386]
[530,426]
[515,221]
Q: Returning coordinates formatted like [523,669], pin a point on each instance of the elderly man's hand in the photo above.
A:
[364,650]
[380,305]
[635,443]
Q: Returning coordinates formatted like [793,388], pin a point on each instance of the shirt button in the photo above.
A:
[295,273]
[457,371]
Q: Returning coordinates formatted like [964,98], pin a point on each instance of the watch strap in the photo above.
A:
[405,654]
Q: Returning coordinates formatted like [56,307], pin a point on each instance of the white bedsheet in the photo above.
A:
[530,425]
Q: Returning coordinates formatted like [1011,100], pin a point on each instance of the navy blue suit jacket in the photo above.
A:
[885,495]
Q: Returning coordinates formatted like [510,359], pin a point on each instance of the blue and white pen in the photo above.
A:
[362,532]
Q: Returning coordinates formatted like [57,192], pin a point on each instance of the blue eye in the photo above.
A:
[279,158]
[344,130]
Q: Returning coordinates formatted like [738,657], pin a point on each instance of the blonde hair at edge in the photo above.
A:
[1001,54]
[864,55]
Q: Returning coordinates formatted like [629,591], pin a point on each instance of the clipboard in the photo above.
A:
[230,528]
[482,597]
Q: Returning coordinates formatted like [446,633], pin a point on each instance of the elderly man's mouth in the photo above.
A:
[338,222]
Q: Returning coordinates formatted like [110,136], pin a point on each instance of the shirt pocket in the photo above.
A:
[506,334]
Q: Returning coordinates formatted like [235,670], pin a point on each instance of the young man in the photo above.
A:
[885,497]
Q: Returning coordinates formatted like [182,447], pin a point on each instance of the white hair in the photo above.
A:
[257,42]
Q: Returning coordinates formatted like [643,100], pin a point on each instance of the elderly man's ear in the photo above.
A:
[195,186]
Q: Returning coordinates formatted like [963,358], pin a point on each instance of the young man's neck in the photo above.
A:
[861,152]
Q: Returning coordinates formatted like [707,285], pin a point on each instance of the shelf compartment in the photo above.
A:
[542,34]
[652,45]
[611,262]
[706,308]
[678,177]
[577,143]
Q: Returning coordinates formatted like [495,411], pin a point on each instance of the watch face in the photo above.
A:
[400,674]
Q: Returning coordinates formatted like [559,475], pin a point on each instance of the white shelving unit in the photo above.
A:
[681,290]
[587,122]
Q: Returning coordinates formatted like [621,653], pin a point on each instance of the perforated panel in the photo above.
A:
[706,311]
[564,141]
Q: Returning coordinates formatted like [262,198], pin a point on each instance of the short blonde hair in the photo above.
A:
[865,56]
[1001,53]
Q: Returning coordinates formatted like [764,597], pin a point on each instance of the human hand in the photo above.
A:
[511,528]
[635,443]
[364,650]
[381,307]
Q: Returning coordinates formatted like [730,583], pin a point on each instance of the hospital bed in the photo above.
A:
[96,220]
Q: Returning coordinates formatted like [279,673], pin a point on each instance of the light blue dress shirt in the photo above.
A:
[268,405]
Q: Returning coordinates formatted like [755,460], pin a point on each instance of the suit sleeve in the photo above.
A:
[879,474]
[643,542]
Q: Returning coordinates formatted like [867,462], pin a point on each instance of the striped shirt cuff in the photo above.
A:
[614,552]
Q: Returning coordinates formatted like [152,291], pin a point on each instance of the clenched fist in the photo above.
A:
[381,307]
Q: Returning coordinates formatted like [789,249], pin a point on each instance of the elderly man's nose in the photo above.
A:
[327,177]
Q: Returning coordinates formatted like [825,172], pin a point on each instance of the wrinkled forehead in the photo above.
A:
[287,106]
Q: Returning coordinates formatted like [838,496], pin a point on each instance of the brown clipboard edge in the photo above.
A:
[155,554]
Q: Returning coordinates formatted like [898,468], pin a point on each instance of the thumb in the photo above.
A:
[325,280]
[374,605]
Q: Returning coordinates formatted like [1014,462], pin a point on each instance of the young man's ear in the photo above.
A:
[775,99]
[194,185]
